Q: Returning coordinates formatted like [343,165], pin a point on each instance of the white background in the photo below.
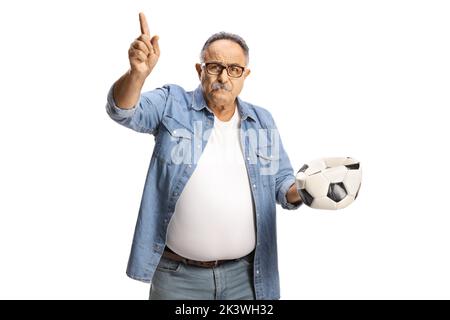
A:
[366,79]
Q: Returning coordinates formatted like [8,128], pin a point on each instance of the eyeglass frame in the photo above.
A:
[224,66]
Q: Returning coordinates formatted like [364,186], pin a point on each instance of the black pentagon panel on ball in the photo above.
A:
[306,197]
[354,166]
[303,169]
[337,191]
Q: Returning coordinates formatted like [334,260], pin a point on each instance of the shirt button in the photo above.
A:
[257,271]
[175,194]
[190,166]
[254,186]
[248,158]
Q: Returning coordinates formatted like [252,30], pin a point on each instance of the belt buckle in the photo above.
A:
[211,264]
[204,264]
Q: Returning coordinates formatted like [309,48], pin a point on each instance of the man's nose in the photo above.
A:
[223,76]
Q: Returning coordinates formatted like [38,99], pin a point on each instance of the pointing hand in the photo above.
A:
[144,51]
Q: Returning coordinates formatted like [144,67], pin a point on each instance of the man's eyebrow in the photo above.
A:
[228,64]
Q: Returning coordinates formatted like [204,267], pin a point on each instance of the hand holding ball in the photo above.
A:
[329,183]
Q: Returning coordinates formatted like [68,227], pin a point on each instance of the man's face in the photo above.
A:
[222,89]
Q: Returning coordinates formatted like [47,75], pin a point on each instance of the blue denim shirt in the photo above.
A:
[181,123]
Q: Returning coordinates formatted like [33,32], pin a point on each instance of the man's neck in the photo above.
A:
[223,112]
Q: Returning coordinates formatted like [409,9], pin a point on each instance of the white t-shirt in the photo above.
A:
[214,216]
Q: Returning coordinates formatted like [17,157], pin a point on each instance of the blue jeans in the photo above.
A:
[232,280]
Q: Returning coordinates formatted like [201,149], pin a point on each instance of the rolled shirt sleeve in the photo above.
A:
[282,192]
[114,111]
[145,116]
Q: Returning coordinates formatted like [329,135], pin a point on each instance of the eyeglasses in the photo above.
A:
[215,68]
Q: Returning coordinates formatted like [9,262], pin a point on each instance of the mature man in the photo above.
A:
[206,227]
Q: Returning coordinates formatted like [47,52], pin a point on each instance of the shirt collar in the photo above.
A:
[199,103]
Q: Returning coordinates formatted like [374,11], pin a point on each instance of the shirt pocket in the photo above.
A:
[268,164]
[174,142]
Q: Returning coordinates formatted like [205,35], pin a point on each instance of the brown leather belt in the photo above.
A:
[169,254]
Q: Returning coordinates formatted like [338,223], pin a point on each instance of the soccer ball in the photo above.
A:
[329,183]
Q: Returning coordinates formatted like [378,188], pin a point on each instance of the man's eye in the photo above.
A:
[214,67]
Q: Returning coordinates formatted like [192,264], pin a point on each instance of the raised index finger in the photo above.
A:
[144,25]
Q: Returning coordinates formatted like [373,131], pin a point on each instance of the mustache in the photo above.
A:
[217,86]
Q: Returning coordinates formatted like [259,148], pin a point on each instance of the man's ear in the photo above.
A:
[246,73]
[198,67]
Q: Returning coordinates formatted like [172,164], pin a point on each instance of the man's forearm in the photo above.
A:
[127,89]
[292,195]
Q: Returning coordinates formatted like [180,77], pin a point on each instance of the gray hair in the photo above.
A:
[225,36]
